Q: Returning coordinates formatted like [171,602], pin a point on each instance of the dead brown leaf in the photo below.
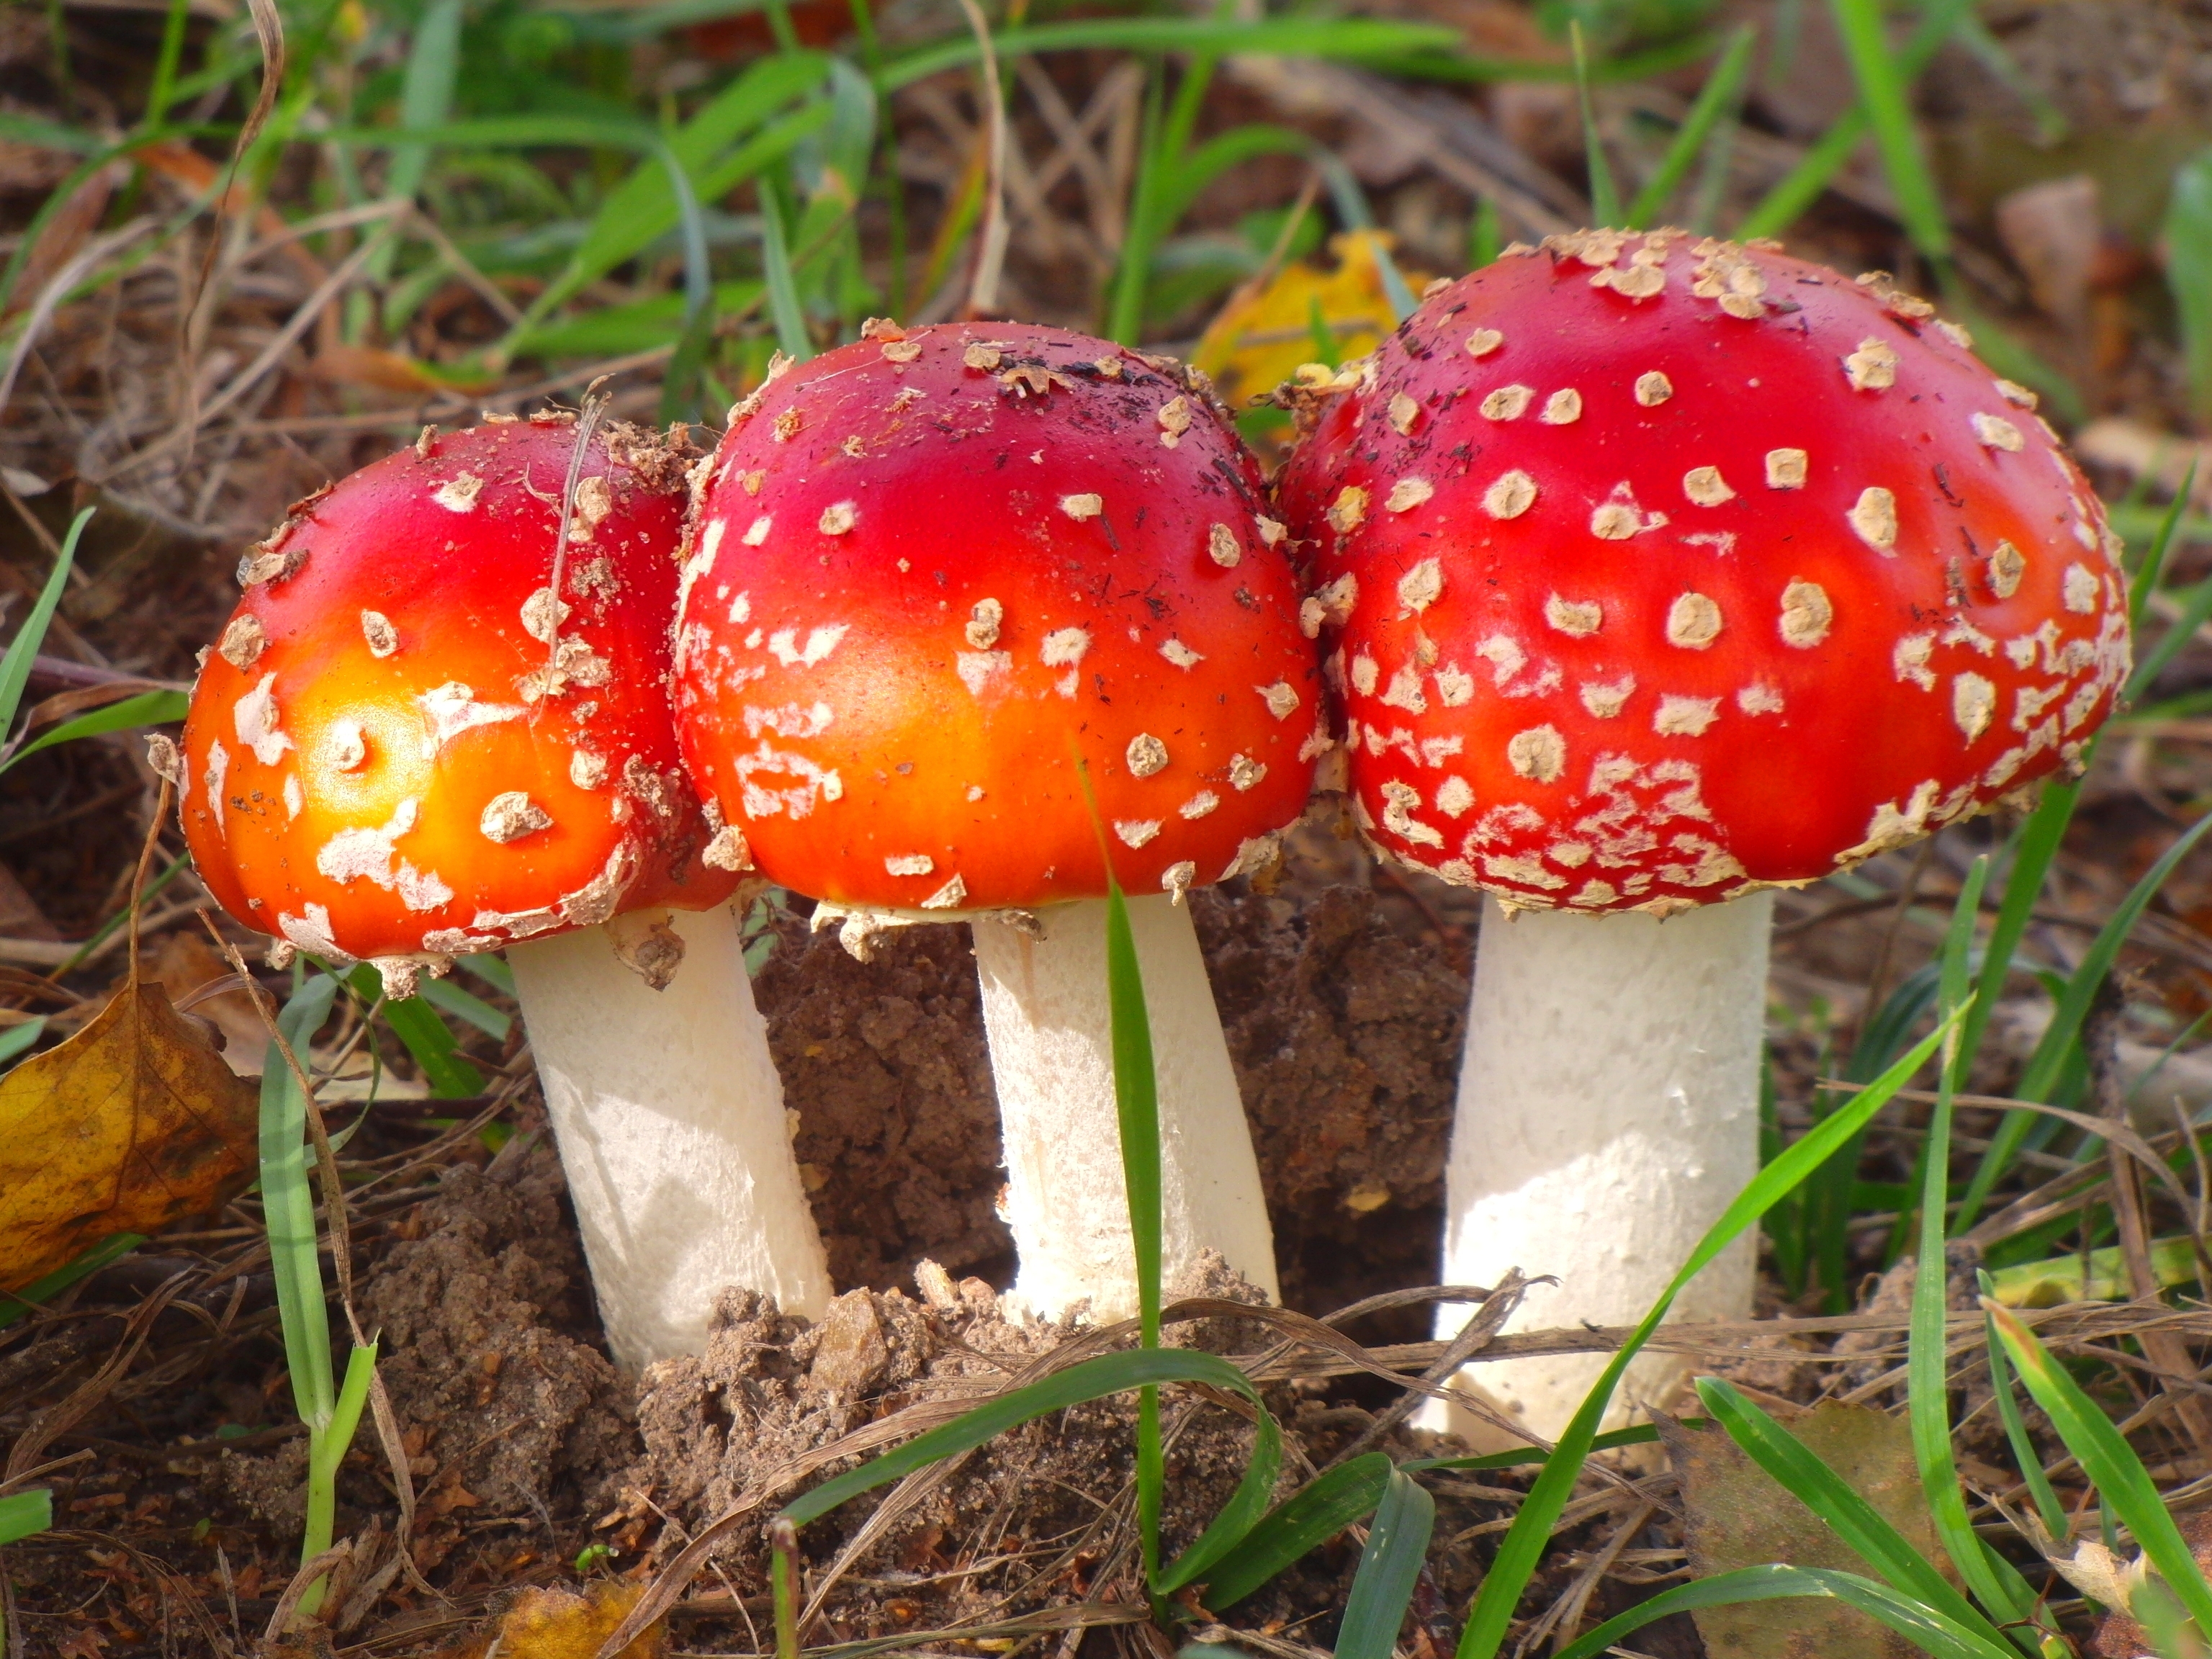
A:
[1740,1516]
[132,1125]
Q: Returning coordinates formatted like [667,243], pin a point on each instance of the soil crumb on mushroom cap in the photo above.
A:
[1835,589]
[417,668]
[1032,578]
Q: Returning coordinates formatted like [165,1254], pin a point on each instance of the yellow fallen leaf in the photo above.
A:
[1266,330]
[130,1126]
[561,1624]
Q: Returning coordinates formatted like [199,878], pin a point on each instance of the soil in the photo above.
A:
[1343,1032]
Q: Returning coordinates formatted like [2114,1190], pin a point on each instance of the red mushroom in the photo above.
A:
[438,723]
[934,572]
[1655,573]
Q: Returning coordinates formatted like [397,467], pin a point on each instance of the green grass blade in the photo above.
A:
[1491,1616]
[449,998]
[1780,207]
[2026,1457]
[21,1040]
[1643,1434]
[25,1514]
[1137,1110]
[1882,94]
[783,306]
[2047,1064]
[1715,99]
[1801,1473]
[1927,1388]
[2111,1463]
[2036,845]
[2146,579]
[428,1039]
[1093,1379]
[2194,610]
[147,708]
[1308,1518]
[1389,1568]
[2189,271]
[289,1208]
[1344,41]
[326,1449]
[16,1305]
[15,666]
[2100,1276]
[1604,194]
[645,206]
[426,99]
[1923,1627]
[491,970]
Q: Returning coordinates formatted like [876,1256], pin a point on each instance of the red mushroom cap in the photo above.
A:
[931,568]
[403,747]
[1654,571]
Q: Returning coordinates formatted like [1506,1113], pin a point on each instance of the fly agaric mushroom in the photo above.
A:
[438,723]
[1655,574]
[936,572]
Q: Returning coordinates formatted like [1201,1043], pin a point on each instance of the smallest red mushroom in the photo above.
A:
[438,723]
[405,747]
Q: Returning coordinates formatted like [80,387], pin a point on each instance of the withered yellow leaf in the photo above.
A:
[132,1124]
[561,1624]
[1266,330]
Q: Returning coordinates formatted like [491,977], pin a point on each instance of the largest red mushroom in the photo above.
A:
[1655,574]
[438,723]
[935,574]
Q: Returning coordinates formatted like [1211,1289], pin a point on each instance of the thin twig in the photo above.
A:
[991,246]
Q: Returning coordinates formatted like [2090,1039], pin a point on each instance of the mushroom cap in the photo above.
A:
[1652,571]
[932,568]
[400,748]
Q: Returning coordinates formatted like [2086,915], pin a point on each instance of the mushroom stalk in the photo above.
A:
[670,1118]
[1608,1113]
[1045,1009]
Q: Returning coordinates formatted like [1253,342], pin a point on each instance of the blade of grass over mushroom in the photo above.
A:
[1307,1519]
[783,305]
[1492,1615]
[1716,99]
[1780,206]
[15,666]
[1136,1103]
[1604,194]
[1389,1568]
[1881,83]
[2047,1063]
[24,1514]
[2124,1485]
[1925,1627]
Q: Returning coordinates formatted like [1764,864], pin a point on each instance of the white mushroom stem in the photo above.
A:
[1608,1113]
[670,1122]
[1045,1009]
